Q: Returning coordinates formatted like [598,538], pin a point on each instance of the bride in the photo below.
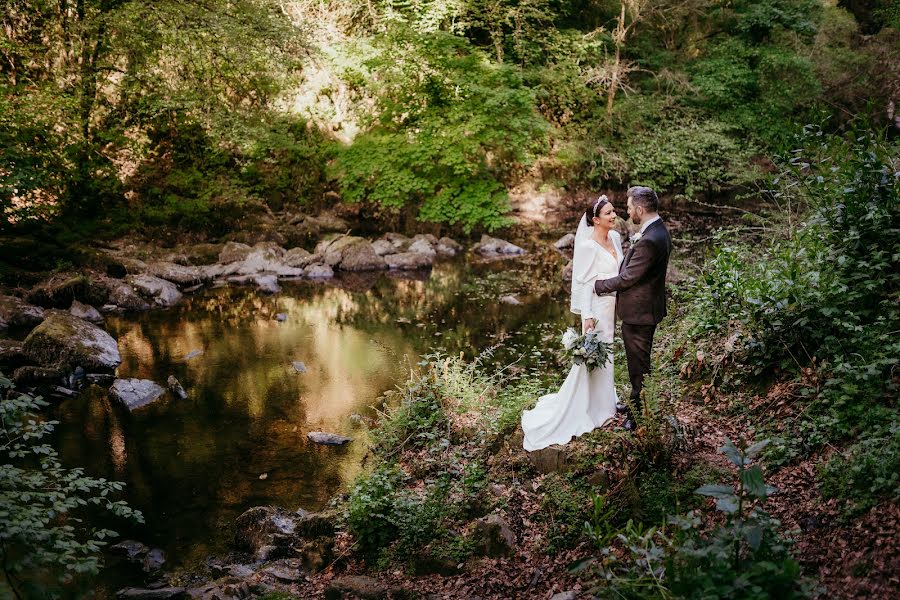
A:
[586,399]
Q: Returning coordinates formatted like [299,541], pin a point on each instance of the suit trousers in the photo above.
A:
[638,342]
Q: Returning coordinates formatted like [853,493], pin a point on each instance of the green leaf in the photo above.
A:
[580,565]
[753,481]
[754,534]
[732,453]
[715,490]
[754,450]
[727,505]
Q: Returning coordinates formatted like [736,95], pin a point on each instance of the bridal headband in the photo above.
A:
[599,201]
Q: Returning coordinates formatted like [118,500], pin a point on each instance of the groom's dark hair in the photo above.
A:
[643,196]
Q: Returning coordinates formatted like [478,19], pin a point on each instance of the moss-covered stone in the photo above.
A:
[64,341]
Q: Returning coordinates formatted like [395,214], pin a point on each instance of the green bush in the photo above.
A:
[744,558]
[822,295]
[865,473]
[43,535]
[451,129]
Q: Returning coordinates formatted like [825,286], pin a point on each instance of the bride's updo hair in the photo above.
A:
[595,209]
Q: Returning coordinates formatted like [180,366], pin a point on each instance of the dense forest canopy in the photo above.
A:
[190,114]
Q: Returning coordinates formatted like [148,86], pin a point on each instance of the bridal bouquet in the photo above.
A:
[586,349]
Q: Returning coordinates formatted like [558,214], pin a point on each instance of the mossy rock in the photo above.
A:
[64,341]
[59,292]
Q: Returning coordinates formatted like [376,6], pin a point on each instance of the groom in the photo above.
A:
[641,287]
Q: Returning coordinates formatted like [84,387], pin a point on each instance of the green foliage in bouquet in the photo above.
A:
[587,349]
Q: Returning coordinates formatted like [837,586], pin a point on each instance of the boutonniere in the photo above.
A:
[636,237]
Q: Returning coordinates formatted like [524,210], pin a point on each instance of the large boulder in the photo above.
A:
[234,252]
[135,393]
[267,284]
[16,312]
[361,257]
[491,247]
[65,341]
[350,253]
[358,586]
[160,292]
[409,260]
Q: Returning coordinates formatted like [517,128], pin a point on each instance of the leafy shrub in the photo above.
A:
[744,558]
[40,500]
[866,472]
[822,296]
[451,129]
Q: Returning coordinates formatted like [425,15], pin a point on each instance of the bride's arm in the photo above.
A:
[583,284]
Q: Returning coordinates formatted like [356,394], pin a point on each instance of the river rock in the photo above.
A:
[383,247]
[299,366]
[130,549]
[350,253]
[298,258]
[266,532]
[399,241]
[566,242]
[31,375]
[328,439]
[570,595]
[12,355]
[318,271]
[510,299]
[124,296]
[60,290]
[491,247]
[492,536]
[182,275]
[448,247]
[422,245]
[267,284]
[409,260]
[86,312]
[234,252]
[16,312]
[175,387]
[160,292]
[64,341]
[567,272]
[135,393]
[163,593]
[154,560]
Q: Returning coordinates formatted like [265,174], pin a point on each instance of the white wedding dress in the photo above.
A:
[586,400]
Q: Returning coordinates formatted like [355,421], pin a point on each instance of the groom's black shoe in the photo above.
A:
[629,424]
[620,408]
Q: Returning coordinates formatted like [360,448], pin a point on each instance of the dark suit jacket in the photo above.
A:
[641,283]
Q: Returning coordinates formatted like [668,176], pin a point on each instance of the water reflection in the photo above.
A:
[193,465]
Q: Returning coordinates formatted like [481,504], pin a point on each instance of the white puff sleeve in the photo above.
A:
[583,279]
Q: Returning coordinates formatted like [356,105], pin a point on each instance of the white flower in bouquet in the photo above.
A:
[568,338]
